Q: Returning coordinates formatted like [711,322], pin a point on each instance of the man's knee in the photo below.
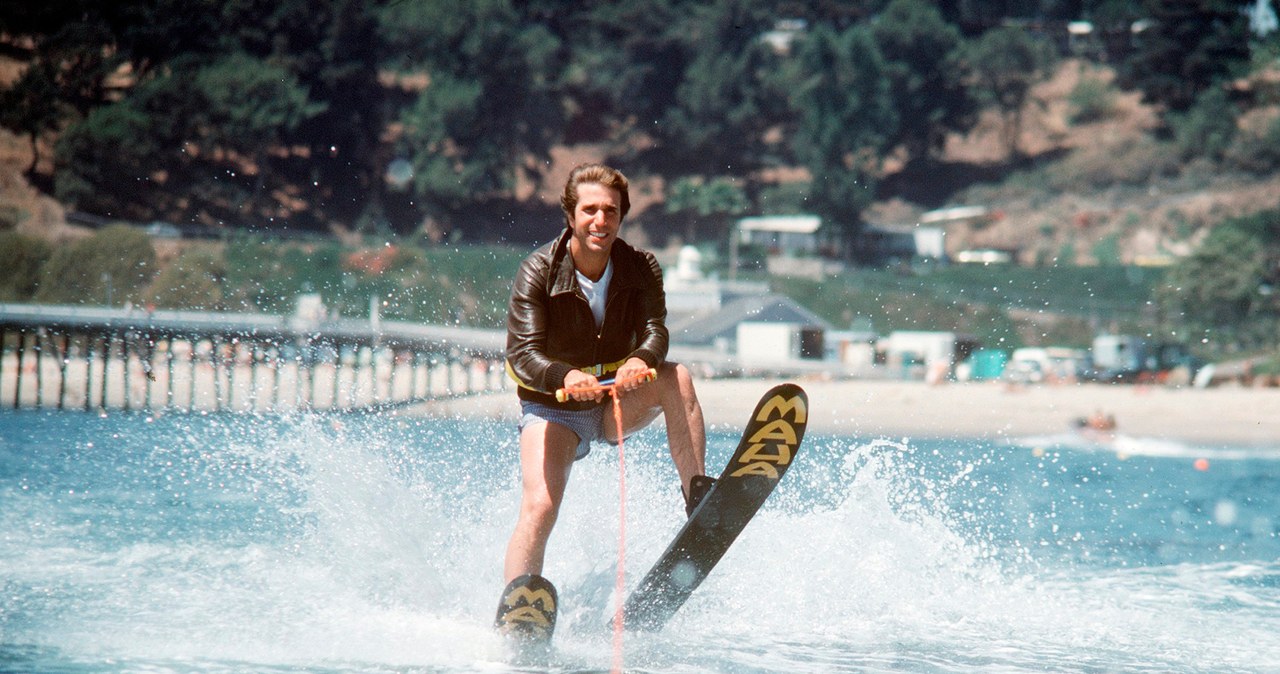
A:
[539,510]
[679,382]
[677,375]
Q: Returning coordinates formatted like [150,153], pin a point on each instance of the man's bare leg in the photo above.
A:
[547,452]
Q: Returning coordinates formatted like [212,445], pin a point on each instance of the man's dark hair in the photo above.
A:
[600,175]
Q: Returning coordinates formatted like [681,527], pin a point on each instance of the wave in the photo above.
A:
[1128,445]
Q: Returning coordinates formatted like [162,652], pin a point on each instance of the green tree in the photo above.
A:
[731,94]
[1207,128]
[845,120]
[707,206]
[625,63]
[1257,149]
[335,50]
[249,106]
[32,107]
[920,50]
[491,108]
[86,54]
[110,267]
[1006,62]
[104,160]
[71,51]
[1229,288]
[1117,15]
[786,198]
[65,71]
[1187,46]
[204,134]
[226,102]
[152,35]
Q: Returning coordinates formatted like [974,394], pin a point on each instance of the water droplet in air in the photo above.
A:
[683,574]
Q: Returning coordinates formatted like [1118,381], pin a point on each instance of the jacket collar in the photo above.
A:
[566,281]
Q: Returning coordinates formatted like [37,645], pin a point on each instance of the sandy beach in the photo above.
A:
[1230,415]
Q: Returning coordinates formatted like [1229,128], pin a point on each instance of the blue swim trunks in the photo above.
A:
[587,424]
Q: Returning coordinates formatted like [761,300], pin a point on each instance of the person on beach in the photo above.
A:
[585,306]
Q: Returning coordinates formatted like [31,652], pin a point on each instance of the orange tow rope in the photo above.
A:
[620,587]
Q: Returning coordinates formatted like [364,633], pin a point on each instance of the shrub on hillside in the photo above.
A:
[785,198]
[268,275]
[1226,288]
[110,267]
[1130,162]
[11,217]
[1257,150]
[1207,129]
[466,285]
[193,281]
[1092,99]
[21,258]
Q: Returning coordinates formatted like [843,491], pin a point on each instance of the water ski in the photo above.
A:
[768,445]
[527,612]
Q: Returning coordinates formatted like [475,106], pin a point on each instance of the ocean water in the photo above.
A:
[216,543]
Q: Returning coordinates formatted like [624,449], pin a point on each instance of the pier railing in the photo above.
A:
[100,358]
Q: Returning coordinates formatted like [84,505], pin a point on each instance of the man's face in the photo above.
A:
[596,219]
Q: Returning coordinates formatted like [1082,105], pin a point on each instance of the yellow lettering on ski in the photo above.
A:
[778,429]
[526,614]
[761,468]
[523,595]
[772,443]
[759,462]
[781,455]
[781,407]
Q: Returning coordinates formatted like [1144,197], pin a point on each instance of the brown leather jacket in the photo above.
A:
[550,329]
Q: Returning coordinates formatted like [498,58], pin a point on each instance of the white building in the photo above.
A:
[765,344]
[781,234]
[931,355]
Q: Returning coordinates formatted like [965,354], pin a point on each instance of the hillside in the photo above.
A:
[1087,193]
[1082,193]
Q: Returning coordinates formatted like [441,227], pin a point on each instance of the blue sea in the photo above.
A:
[185,543]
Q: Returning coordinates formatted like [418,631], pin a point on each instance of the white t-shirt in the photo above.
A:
[596,291]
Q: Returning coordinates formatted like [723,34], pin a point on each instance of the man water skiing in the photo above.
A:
[584,306]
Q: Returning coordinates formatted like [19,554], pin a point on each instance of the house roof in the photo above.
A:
[790,224]
[705,328]
[954,214]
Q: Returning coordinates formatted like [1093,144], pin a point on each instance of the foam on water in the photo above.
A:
[900,581]
[220,543]
[1128,445]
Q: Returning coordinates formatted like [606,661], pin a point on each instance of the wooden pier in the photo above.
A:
[67,357]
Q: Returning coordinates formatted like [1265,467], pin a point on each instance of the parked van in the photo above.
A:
[1032,365]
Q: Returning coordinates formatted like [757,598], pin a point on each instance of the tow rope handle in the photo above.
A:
[611,384]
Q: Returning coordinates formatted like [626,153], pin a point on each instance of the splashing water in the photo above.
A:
[210,543]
